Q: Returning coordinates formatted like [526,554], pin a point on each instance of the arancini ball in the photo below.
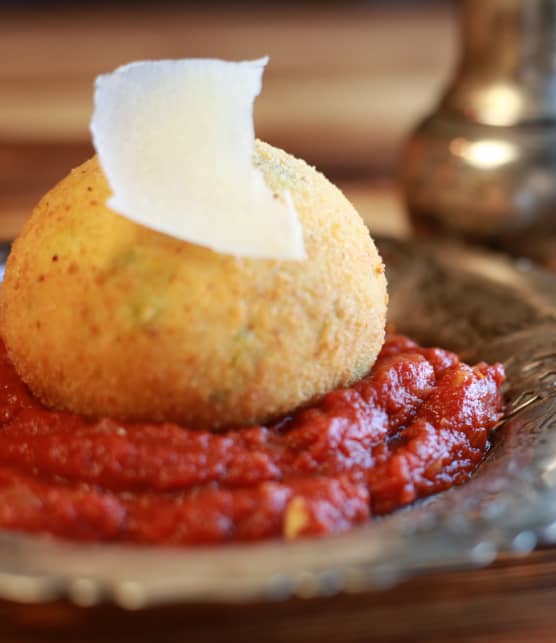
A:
[104,317]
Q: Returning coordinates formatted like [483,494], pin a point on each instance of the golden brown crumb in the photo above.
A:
[139,325]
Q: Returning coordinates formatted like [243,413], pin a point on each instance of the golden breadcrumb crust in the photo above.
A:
[102,316]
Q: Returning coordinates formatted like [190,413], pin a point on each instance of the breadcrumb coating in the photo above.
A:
[102,316]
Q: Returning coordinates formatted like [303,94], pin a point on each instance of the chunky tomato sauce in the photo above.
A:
[419,423]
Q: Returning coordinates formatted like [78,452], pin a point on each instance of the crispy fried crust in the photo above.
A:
[102,316]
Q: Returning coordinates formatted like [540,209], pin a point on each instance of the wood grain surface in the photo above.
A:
[510,602]
[343,87]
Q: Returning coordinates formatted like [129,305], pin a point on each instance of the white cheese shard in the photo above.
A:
[175,139]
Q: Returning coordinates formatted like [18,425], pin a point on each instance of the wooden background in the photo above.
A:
[344,85]
[510,602]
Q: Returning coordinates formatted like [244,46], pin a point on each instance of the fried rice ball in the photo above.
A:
[104,317]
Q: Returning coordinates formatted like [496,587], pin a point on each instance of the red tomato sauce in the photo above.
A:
[418,424]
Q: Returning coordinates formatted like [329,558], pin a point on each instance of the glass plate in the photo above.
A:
[481,305]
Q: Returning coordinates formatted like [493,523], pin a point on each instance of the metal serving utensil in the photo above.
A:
[479,304]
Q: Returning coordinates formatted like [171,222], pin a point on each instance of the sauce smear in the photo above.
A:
[417,424]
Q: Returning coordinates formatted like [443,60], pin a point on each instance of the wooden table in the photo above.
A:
[343,87]
[510,602]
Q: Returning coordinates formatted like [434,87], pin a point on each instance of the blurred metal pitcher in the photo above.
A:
[483,165]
